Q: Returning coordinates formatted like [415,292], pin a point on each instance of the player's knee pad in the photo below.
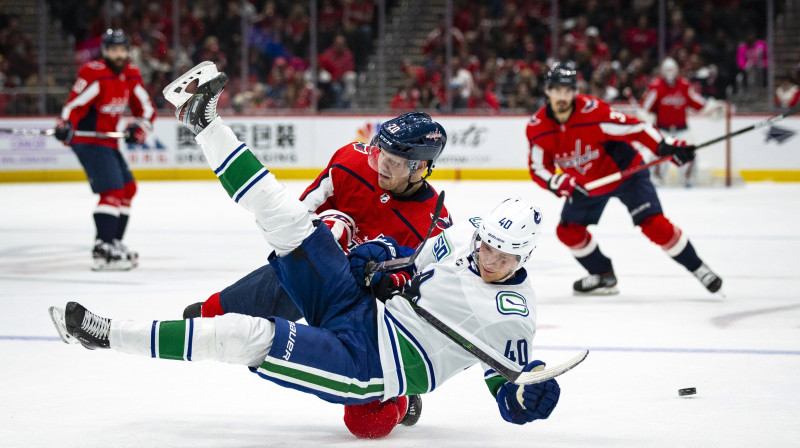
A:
[576,238]
[375,419]
[660,230]
[110,202]
[130,192]
[233,338]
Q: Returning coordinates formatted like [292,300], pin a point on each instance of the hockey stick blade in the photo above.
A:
[550,373]
[399,263]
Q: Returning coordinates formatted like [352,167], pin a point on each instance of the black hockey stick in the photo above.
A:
[630,171]
[514,376]
[399,263]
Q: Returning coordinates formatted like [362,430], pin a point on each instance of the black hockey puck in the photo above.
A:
[687,391]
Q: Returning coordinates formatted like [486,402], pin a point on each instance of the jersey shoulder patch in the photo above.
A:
[510,302]
[441,247]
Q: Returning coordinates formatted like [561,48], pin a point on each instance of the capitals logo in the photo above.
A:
[580,159]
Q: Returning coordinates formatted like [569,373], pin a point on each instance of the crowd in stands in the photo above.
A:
[501,48]
[502,51]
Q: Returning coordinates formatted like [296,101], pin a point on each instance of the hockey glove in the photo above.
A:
[562,185]
[389,285]
[64,131]
[342,227]
[524,404]
[377,250]
[135,134]
[680,151]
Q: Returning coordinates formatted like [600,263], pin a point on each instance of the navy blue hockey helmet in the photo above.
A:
[413,136]
[561,74]
[115,37]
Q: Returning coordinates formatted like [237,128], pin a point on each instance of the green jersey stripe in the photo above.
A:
[415,368]
[239,171]
[348,387]
[171,339]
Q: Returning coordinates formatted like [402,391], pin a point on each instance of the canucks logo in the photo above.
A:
[441,248]
[476,222]
[511,303]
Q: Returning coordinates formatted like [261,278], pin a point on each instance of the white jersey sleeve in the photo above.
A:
[500,318]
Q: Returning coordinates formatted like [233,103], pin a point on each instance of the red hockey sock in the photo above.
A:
[211,307]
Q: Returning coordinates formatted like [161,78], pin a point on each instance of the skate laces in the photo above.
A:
[96,326]
[591,281]
[211,108]
[705,275]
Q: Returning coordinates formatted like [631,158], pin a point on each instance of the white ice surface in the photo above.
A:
[662,333]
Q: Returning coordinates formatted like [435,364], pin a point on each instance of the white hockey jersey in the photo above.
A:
[499,318]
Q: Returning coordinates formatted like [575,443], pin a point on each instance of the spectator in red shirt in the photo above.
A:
[329,19]
[598,49]
[481,98]
[687,43]
[338,61]
[641,37]
[406,98]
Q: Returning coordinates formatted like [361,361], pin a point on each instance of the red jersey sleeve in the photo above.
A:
[620,127]
[141,104]
[85,91]
[540,162]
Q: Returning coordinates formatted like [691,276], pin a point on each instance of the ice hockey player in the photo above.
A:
[366,191]
[586,139]
[668,97]
[350,351]
[99,96]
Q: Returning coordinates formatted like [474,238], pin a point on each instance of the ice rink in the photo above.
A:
[663,332]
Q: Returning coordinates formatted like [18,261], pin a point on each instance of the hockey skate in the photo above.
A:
[107,257]
[708,278]
[597,285]
[57,316]
[77,324]
[413,412]
[197,109]
[131,255]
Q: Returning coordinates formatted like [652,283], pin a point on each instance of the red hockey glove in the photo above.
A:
[135,134]
[562,185]
[680,151]
[64,131]
[342,226]
[390,285]
[375,419]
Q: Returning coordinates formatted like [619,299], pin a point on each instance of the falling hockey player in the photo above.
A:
[586,139]
[355,349]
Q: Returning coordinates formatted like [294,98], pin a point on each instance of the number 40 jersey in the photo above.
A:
[499,318]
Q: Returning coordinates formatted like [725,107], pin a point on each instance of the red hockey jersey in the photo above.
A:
[669,103]
[350,185]
[594,142]
[99,97]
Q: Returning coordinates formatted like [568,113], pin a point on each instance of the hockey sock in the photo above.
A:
[232,338]
[125,209]
[596,262]
[122,223]
[106,214]
[688,258]
[283,219]
[212,306]
[672,240]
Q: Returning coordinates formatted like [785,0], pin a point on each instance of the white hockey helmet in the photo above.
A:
[513,227]
[669,70]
